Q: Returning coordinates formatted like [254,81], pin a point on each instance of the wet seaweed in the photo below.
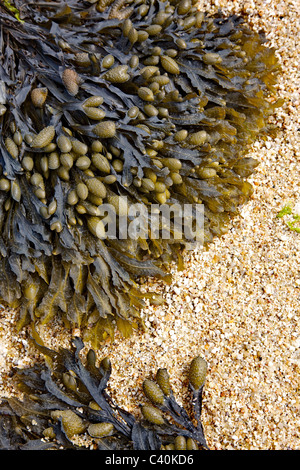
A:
[146,102]
[65,398]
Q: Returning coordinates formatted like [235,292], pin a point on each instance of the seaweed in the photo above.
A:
[293,223]
[65,398]
[119,104]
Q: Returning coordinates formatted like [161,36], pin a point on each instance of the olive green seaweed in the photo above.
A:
[13,9]
[144,101]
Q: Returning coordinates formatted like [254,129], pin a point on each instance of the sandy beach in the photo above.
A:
[237,304]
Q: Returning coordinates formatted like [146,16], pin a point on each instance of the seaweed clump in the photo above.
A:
[119,103]
[65,399]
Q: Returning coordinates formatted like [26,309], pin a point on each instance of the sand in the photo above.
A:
[237,304]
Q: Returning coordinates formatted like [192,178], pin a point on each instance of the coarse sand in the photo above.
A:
[237,304]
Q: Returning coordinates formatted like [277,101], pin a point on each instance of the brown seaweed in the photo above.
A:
[151,101]
[66,397]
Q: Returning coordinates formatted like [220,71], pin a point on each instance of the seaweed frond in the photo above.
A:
[121,105]
[66,399]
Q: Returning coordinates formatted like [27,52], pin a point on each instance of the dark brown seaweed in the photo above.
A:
[66,397]
[100,101]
